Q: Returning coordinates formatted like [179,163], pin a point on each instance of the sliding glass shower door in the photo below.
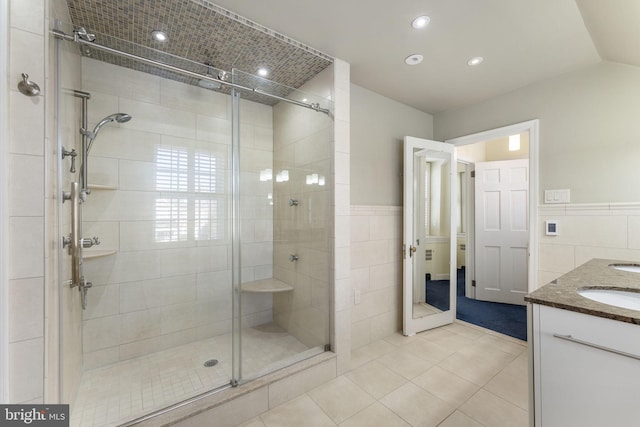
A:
[283,218]
[211,210]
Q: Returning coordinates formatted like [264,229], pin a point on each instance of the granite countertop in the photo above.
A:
[563,292]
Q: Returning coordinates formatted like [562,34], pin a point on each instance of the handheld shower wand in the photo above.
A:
[91,136]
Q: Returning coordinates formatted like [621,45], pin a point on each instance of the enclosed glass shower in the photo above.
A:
[200,246]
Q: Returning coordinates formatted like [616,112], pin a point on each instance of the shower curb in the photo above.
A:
[212,404]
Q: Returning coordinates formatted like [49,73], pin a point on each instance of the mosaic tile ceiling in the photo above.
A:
[200,32]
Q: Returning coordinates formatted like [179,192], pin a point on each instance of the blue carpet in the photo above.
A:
[506,319]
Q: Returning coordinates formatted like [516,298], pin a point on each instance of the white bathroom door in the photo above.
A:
[502,230]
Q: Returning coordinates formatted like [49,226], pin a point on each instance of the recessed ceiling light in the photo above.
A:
[475,61]
[263,72]
[414,59]
[420,22]
[159,36]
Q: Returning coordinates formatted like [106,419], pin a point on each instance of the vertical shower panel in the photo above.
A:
[236,347]
[285,219]
[302,141]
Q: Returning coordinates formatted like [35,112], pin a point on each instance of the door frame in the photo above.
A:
[531,126]
[4,142]
[470,229]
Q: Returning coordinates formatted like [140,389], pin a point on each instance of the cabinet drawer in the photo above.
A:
[620,336]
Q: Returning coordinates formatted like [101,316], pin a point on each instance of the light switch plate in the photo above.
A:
[557,196]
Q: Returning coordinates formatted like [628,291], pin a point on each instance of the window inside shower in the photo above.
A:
[190,294]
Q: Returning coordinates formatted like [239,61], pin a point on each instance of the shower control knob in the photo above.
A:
[73,156]
[87,243]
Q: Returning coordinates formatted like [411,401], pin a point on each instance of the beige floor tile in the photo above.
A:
[471,368]
[464,330]
[502,344]
[254,422]
[477,363]
[458,419]
[512,383]
[340,398]
[398,339]
[369,352]
[301,411]
[451,365]
[428,350]
[454,342]
[417,406]
[375,415]
[376,379]
[440,332]
[447,386]
[404,363]
[489,354]
[491,410]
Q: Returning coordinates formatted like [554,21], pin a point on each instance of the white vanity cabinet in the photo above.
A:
[586,370]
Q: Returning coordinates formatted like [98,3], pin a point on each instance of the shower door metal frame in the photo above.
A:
[236,267]
[92,44]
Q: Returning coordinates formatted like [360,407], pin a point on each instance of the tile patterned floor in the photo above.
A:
[123,391]
[454,376]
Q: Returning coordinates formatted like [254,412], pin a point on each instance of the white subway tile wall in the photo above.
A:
[376,272]
[302,143]
[26,175]
[341,339]
[587,231]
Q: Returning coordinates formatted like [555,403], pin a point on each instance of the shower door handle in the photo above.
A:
[74,241]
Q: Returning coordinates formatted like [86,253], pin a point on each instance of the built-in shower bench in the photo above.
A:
[266,285]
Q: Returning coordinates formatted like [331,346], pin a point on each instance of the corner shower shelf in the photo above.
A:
[266,285]
[97,254]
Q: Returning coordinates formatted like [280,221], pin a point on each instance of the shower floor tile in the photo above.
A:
[113,394]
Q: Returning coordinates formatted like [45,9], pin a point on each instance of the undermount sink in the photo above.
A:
[633,268]
[614,297]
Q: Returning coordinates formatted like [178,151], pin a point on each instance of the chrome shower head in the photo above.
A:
[209,84]
[117,117]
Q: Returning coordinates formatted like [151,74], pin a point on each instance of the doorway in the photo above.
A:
[496,242]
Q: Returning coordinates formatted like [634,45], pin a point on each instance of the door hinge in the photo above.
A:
[473,283]
[473,174]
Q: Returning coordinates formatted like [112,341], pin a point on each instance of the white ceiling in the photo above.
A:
[522,41]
